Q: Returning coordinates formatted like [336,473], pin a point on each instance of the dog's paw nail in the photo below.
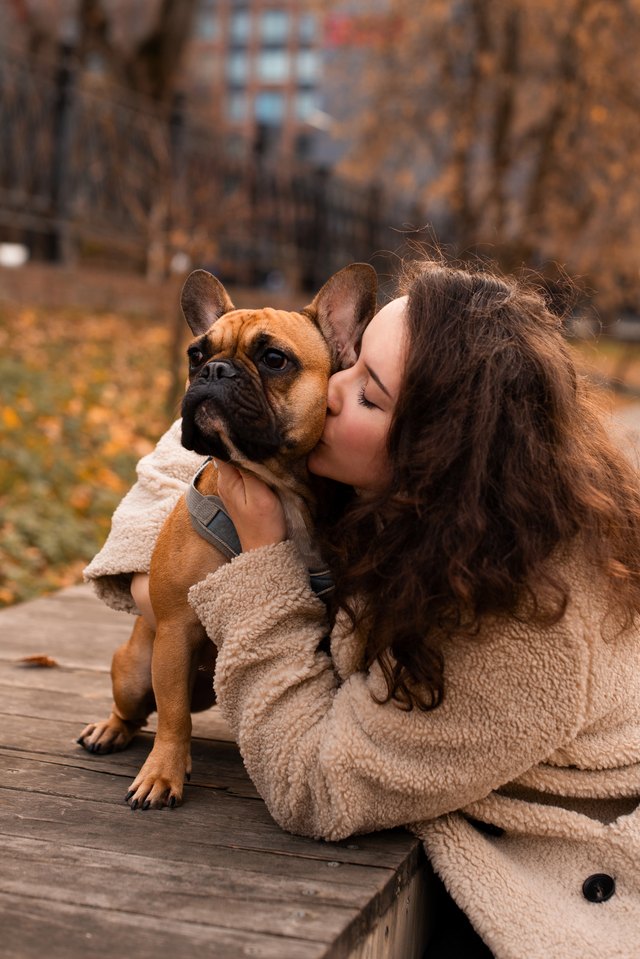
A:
[80,741]
[172,802]
[134,804]
[146,804]
[129,795]
[188,777]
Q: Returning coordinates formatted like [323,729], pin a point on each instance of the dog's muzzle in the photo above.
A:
[223,411]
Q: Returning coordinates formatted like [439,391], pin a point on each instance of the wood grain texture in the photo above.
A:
[83,876]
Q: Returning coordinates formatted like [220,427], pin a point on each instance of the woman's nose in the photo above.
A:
[333,393]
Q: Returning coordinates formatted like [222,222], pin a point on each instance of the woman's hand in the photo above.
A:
[255,510]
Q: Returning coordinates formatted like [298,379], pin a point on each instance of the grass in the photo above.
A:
[82,398]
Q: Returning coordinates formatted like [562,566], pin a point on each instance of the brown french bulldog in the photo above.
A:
[256,398]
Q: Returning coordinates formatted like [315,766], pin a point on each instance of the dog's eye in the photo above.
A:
[274,359]
[196,356]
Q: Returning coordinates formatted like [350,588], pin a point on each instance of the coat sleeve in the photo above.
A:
[327,758]
[163,477]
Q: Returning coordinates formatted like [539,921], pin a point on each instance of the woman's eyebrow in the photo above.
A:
[376,379]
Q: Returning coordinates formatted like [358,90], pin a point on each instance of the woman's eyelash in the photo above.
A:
[363,401]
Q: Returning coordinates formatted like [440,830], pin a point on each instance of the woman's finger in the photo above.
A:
[231,483]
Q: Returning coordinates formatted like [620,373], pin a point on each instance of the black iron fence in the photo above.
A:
[91,173]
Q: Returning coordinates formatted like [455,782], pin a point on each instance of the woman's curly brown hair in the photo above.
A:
[498,457]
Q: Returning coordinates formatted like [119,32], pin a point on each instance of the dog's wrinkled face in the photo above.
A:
[257,386]
[258,378]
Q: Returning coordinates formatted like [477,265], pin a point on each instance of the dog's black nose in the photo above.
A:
[217,370]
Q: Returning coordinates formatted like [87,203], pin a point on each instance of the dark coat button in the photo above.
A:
[599,887]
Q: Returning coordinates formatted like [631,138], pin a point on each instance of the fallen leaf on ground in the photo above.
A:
[44,662]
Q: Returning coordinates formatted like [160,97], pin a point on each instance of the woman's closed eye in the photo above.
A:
[363,401]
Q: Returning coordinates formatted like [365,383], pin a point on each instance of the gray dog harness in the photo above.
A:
[211,521]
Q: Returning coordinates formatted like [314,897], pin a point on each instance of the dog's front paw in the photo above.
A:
[160,781]
[108,736]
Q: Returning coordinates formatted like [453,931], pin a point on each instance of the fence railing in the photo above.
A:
[91,173]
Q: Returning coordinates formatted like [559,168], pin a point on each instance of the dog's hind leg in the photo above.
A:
[132,694]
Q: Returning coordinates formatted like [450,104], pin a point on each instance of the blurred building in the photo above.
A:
[259,64]
[273,75]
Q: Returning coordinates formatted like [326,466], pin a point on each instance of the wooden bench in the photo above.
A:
[83,877]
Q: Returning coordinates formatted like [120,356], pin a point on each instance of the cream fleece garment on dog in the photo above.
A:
[163,477]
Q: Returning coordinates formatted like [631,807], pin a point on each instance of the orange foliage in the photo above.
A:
[83,398]
[517,124]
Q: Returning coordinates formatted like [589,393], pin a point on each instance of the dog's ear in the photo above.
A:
[203,301]
[342,309]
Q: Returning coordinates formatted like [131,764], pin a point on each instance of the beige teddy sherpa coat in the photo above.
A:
[538,736]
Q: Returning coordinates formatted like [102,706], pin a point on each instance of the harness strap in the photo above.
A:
[209,519]
[321,582]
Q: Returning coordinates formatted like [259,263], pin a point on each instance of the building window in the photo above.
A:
[307,28]
[270,108]
[307,66]
[237,106]
[237,67]
[274,26]
[240,26]
[306,104]
[206,25]
[273,66]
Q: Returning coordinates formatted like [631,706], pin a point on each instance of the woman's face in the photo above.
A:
[360,404]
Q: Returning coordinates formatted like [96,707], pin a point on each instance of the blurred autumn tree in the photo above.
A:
[140,46]
[518,122]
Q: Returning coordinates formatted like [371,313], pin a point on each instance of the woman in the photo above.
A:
[483,682]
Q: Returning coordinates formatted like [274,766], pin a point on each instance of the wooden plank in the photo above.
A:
[77,605]
[231,821]
[80,695]
[60,930]
[84,690]
[215,765]
[208,895]
[89,684]
[97,828]
[216,875]
[402,931]
[72,626]
[58,643]
[301,881]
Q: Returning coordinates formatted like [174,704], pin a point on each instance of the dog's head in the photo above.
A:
[258,378]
